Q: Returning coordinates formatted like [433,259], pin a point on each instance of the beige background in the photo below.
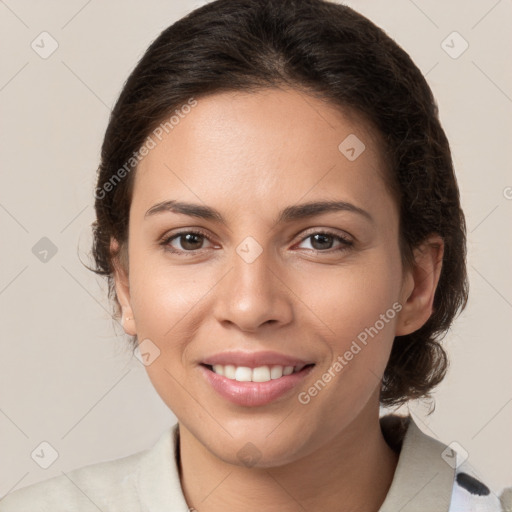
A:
[65,375]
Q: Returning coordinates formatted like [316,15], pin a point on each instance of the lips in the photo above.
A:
[254,359]
[253,379]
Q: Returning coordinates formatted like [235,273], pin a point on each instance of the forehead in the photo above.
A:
[260,150]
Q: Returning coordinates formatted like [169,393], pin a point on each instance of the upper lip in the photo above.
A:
[254,359]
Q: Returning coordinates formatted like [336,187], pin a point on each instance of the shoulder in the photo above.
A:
[431,475]
[146,480]
[109,485]
[471,493]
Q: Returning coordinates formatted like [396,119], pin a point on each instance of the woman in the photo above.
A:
[279,222]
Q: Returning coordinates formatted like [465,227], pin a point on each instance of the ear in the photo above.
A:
[419,286]
[122,285]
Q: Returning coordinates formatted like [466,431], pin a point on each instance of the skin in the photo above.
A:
[250,155]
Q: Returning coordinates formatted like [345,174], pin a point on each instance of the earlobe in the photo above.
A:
[122,287]
[420,285]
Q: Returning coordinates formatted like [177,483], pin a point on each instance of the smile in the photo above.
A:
[252,387]
[259,374]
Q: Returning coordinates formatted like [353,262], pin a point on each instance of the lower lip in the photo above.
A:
[252,394]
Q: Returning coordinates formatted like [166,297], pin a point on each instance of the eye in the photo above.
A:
[189,241]
[322,241]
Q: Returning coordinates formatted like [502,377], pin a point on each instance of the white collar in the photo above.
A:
[423,480]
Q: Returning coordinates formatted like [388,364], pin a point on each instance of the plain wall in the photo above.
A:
[67,376]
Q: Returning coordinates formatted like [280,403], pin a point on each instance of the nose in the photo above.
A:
[253,294]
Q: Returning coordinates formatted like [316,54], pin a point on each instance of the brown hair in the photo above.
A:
[336,54]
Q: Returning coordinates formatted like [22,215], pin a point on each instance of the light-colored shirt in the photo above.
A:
[429,477]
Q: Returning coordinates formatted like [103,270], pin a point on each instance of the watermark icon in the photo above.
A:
[454,454]
[454,45]
[341,361]
[351,147]
[149,144]
[507,192]
[44,454]
[249,455]
[44,45]
[249,249]
[44,249]
[146,352]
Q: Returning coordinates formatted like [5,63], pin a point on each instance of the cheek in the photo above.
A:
[359,340]
[352,297]
[165,300]
[358,304]
[163,295]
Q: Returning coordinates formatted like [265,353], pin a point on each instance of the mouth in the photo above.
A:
[254,386]
[263,373]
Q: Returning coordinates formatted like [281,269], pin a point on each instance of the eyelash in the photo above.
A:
[166,240]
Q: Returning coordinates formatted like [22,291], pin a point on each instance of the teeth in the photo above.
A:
[219,369]
[259,374]
[276,372]
[243,374]
[229,371]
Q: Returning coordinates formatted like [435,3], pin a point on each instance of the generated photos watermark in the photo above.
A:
[150,143]
[356,346]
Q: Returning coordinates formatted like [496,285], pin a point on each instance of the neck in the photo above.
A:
[353,472]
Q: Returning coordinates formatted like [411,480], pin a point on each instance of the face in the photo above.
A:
[264,283]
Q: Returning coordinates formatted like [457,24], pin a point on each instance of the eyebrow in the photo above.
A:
[289,214]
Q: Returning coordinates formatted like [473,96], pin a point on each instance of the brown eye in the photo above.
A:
[323,241]
[190,241]
[186,241]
